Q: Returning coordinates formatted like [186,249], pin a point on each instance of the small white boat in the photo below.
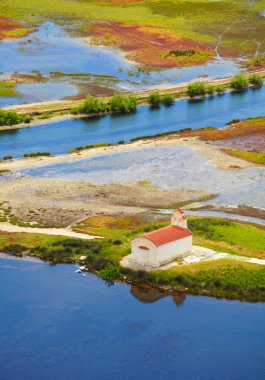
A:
[82,267]
[78,271]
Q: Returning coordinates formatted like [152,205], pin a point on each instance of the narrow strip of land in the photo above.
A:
[63,105]
[66,232]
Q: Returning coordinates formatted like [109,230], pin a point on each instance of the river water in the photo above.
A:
[58,138]
[55,324]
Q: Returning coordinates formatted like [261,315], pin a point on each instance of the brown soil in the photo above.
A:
[149,46]
[244,210]
[58,203]
[7,25]
[246,128]
[25,78]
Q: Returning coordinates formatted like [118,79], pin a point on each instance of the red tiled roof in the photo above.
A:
[179,210]
[167,235]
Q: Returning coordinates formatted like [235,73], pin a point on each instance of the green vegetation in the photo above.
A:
[4,171]
[155,99]
[192,19]
[90,106]
[239,82]
[117,104]
[37,154]
[5,158]
[8,118]
[257,158]
[45,116]
[122,103]
[168,99]
[222,278]
[7,89]
[210,90]
[220,89]
[91,146]
[255,80]
[196,89]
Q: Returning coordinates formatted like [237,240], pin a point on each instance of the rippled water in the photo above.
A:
[168,167]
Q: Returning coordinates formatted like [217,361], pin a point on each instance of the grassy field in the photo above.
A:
[222,278]
[240,23]
[257,158]
[7,89]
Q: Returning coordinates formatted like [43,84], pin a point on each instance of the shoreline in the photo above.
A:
[50,107]
[217,157]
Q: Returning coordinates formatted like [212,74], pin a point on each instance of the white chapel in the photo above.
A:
[163,245]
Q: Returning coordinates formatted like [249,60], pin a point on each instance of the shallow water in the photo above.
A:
[52,49]
[167,167]
[58,138]
[60,325]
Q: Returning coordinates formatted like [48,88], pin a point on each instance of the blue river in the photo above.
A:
[58,138]
[55,324]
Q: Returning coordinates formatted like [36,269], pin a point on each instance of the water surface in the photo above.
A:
[60,325]
[58,138]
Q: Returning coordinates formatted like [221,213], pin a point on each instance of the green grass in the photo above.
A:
[198,20]
[91,146]
[257,158]
[221,278]
[8,89]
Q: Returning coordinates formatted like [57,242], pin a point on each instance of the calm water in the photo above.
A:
[56,324]
[58,138]
[50,48]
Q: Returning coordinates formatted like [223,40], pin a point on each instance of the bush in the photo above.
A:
[239,82]
[219,89]
[15,249]
[256,80]
[168,99]
[90,106]
[122,103]
[196,89]
[110,273]
[8,118]
[37,154]
[154,99]
[7,158]
[210,90]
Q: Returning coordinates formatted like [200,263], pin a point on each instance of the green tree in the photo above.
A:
[92,105]
[12,117]
[196,89]
[210,90]
[122,103]
[256,80]
[154,99]
[168,99]
[239,82]
[219,89]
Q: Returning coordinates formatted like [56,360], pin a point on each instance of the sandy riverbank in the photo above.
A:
[8,227]
[219,159]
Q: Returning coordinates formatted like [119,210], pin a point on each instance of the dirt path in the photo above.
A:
[7,227]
